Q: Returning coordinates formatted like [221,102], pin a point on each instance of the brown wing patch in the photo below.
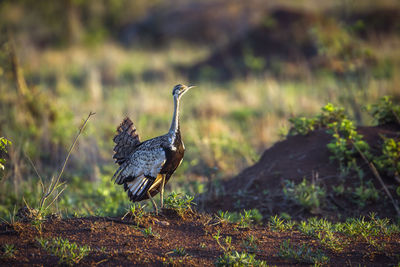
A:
[126,140]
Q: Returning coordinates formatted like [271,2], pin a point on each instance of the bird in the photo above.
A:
[145,167]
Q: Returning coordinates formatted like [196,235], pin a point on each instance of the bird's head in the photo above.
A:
[179,90]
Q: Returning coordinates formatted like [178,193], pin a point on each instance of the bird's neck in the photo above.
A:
[174,129]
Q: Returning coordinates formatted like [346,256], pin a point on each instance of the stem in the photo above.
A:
[55,184]
[396,116]
[377,175]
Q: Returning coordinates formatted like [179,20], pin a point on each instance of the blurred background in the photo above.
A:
[255,64]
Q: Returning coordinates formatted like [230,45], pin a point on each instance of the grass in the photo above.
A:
[235,258]
[68,253]
[148,233]
[276,223]
[302,254]
[230,257]
[251,244]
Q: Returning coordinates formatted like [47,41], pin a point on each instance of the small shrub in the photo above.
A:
[67,252]
[181,205]
[308,195]
[301,125]
[385,111]
[346,144]
[366,192]
[389,161]
[329,114]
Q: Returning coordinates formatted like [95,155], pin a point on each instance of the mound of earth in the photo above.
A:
[306,157]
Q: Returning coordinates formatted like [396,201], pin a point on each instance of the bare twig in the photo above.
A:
[55,183]
[378,176]
[37,173]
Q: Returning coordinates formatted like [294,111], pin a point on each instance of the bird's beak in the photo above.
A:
[187,89]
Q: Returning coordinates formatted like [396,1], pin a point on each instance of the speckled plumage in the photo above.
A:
[143,165]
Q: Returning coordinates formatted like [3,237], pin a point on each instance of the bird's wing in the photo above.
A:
[126,141]
[140,171]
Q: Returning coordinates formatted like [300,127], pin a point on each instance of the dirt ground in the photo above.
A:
[116,242]
[121,243]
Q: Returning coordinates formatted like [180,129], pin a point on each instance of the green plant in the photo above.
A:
[389,161]
[180,252]
[227,246]
[330,240]
[329,114]
[3,149]
[276,223]
[234,258]
[237,259]
[339,189]
[11,217]
[136,211]
[324,231]
[148,232]
[370,230]
[251,244]
[8,251]
[385,111]
[366,192]
[223,217]
[248,217]
[346,144]
[68,252]
[302,254]
[308,195]
[302,125]
[182,205]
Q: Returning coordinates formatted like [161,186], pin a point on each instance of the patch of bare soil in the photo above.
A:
[122,243]
[261,186]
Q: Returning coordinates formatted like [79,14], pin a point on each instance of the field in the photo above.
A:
[292,132]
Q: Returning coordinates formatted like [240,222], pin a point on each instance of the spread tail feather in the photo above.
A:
[126,141]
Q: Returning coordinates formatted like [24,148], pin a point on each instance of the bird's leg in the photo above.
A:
[154,203]
[162,191]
